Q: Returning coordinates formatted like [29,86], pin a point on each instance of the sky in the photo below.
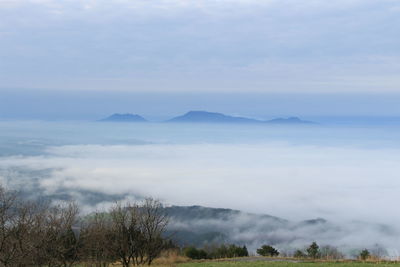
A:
[264,46]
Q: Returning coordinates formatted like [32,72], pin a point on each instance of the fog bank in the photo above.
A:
[347,176]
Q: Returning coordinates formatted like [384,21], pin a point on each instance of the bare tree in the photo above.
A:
[40,234]
[137,232]
[59,242]
[16,221]
[330,253]
[153,223]
[127,237]
[97,238]
[17,226]
[8,248]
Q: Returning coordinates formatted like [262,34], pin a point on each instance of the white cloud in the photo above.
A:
[341,174]
[288,181]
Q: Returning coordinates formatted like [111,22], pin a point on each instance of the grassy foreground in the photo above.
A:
[288,264]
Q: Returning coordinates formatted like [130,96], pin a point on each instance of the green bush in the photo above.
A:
[313,250]
[364,254]
[222,251]
[194,253]
[299,254]
[267,250]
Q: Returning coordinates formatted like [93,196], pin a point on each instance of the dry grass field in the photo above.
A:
[289,264]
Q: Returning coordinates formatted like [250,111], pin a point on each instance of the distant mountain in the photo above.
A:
[206,117]
[183,213]
[214,117]
[124,118]
[291,120]
[210,117]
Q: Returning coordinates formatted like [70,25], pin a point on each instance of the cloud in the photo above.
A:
[354,188]
[296,182]
[254,231]
[347,176]
[303,46]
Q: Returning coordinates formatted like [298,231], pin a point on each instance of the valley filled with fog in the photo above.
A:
[347,175]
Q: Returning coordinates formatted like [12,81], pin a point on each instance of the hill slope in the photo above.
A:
[124,118]
[214,117]
[290,120]
[210,117]
[202,226]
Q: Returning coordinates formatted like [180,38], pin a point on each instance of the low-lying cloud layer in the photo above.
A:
[293,182]
[349,238]
[354,187]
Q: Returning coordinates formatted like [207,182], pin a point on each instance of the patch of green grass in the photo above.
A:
[287,264]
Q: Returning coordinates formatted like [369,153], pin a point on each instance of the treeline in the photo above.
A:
[231,251]
[39,234]
[216,252]
[314,251]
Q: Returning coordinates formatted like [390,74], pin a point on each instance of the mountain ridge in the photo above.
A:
[201,116]
[210,117]
[126,117]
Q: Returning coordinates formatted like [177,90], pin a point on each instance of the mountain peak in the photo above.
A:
[210,117]
[290,120]
[127,117]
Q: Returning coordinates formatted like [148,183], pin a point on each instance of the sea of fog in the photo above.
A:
[344,174]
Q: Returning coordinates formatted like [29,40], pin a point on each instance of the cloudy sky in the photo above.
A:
[62,58]
[203,45]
